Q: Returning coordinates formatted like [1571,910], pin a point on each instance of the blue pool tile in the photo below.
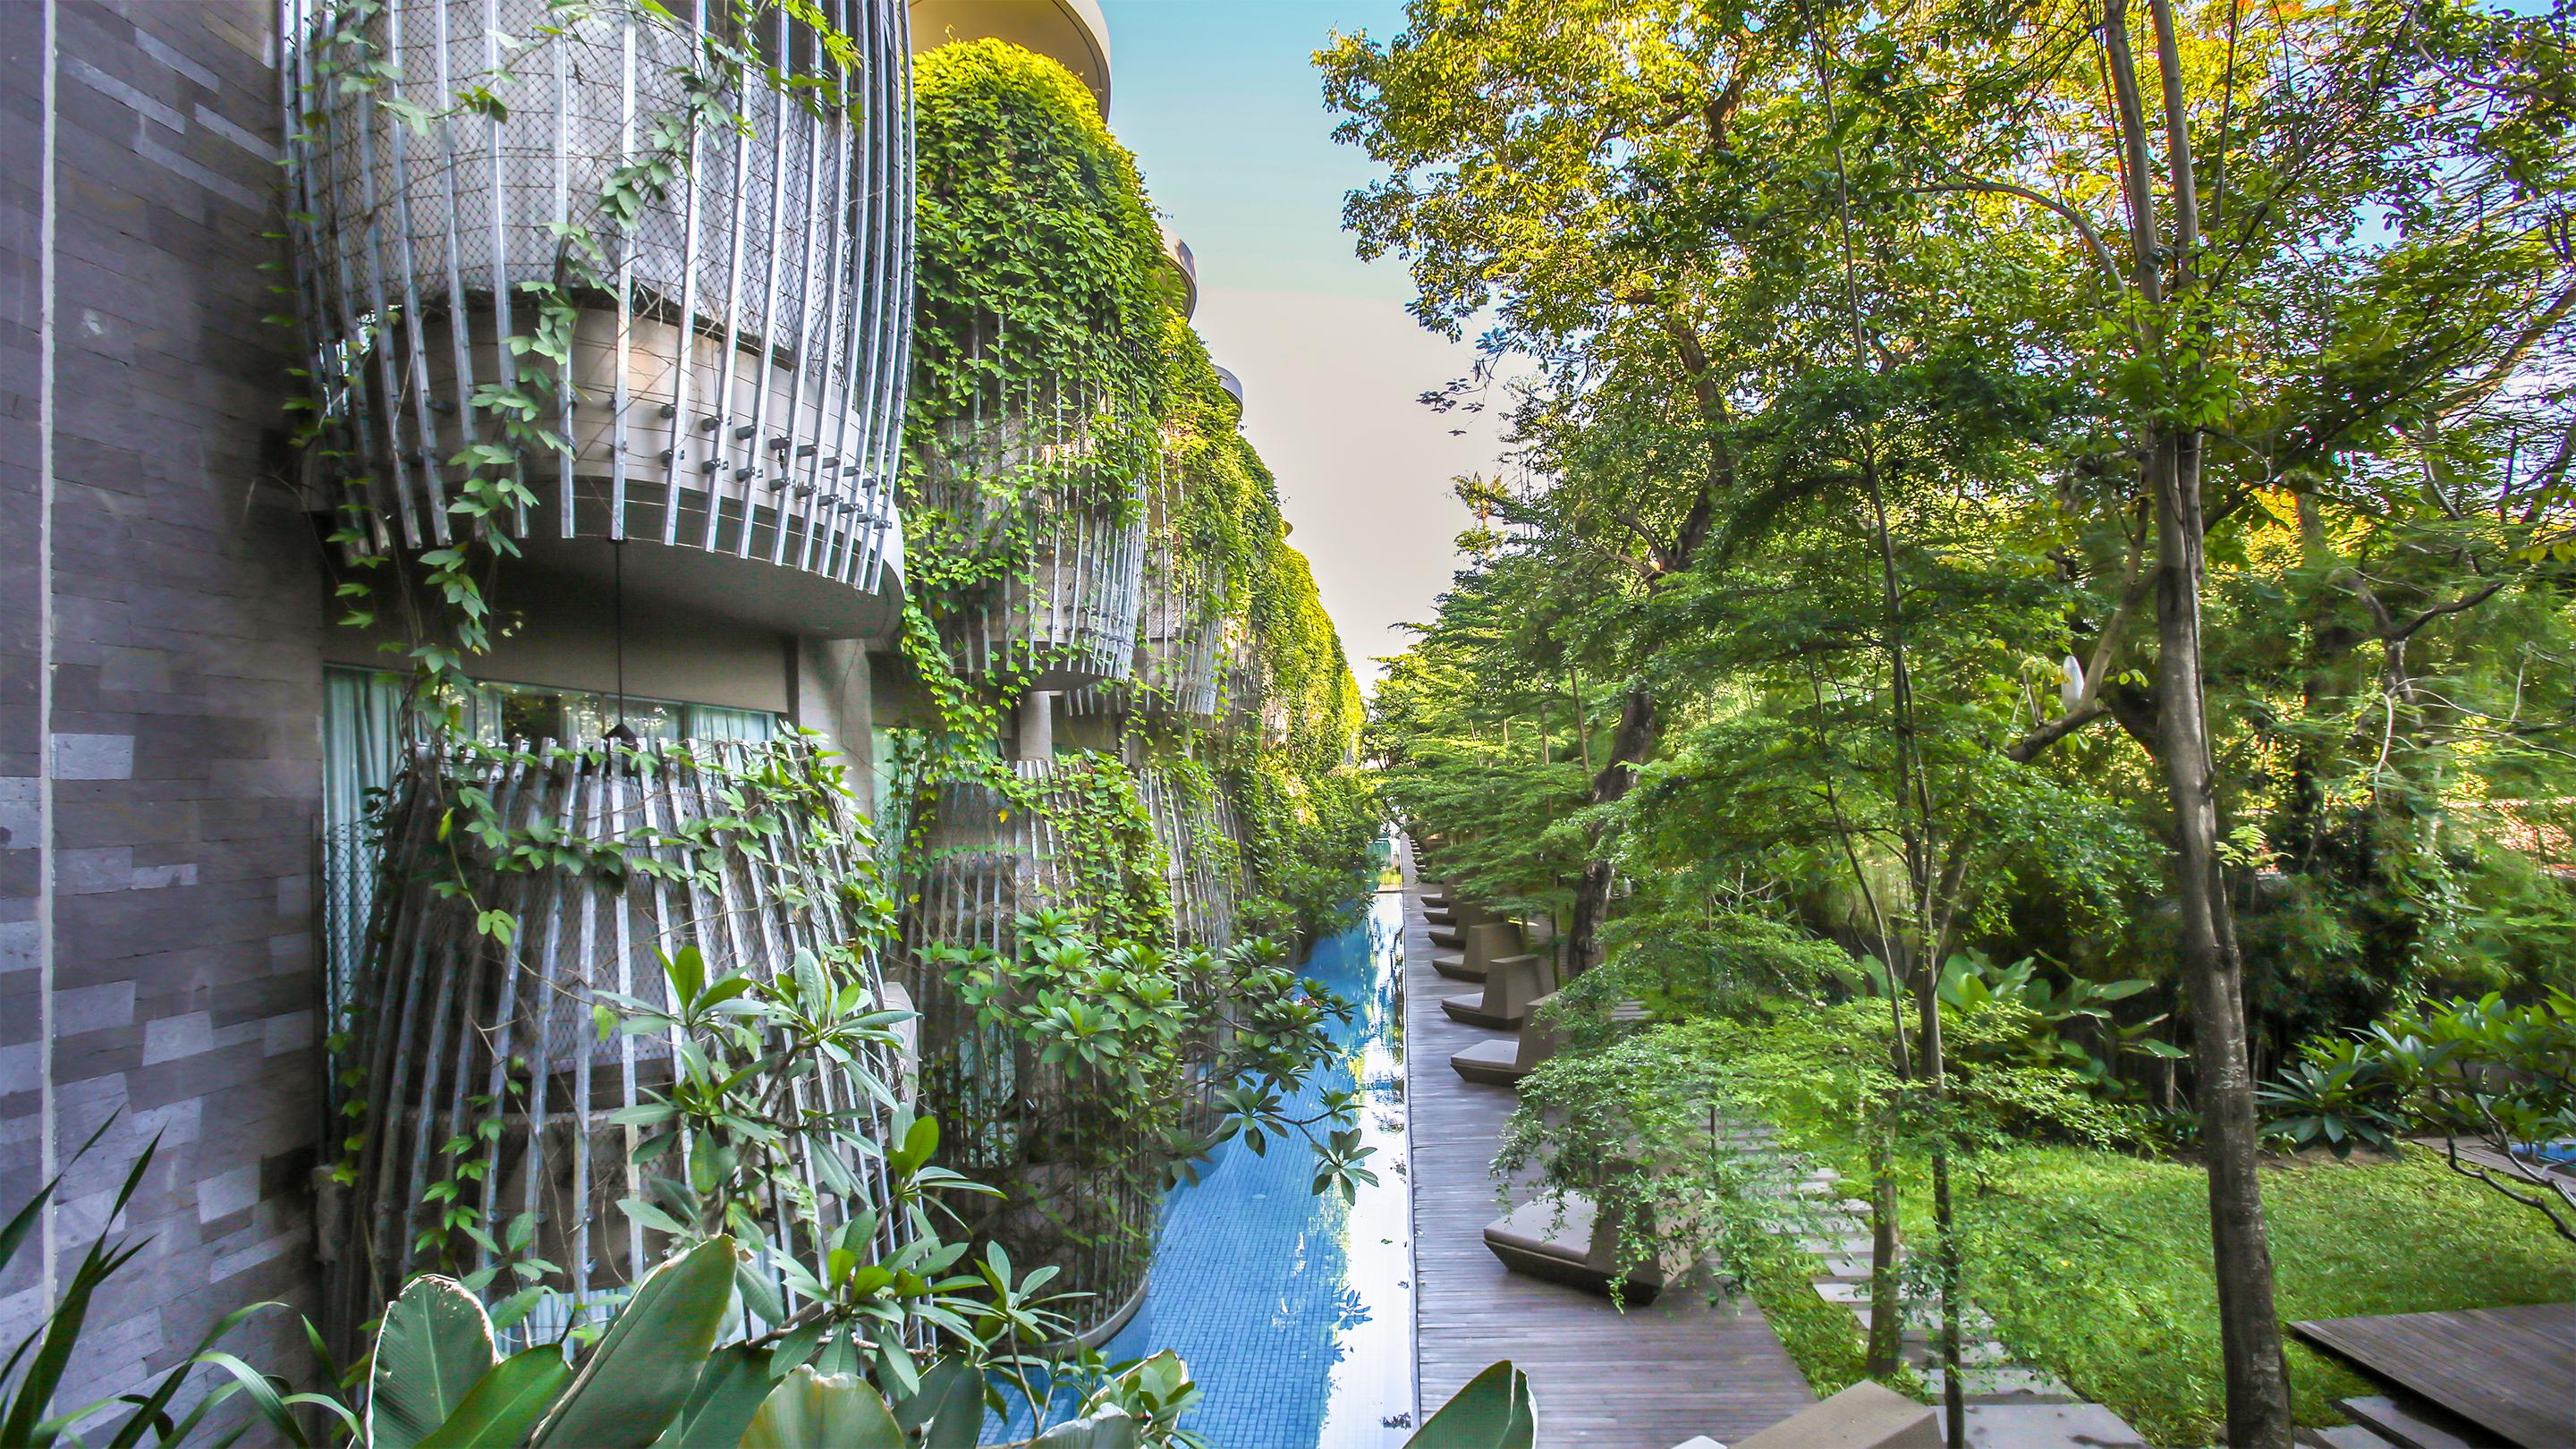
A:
[1293,1311]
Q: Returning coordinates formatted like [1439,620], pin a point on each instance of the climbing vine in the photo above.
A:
[439,601]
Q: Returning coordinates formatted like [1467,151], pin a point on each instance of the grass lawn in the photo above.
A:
[2096,1267]
[1822,1338]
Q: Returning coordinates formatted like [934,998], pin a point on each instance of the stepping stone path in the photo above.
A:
[2009,1404]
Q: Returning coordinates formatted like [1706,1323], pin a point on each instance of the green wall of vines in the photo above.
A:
[1040,265]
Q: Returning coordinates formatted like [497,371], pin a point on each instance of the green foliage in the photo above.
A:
[806,1409]
[2500,1076]
[1029,210]
[434,1344]
[1494,1411]
[2096,1268]
[35,1366]
[1054,372]
[636,1379]
[1112,1045]
[2337,1096]
[2070,1020]
[656,1379]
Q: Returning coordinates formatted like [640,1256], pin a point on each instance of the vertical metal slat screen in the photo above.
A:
[736,381]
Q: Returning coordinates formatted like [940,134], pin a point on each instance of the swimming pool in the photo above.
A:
[1294,1311]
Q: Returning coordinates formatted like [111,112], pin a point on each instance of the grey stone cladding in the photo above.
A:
[168,788]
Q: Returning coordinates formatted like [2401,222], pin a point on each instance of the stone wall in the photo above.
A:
[156,950]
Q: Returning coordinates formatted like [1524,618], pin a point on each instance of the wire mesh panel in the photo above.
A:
[738,260]
[486,1084]
[1033,480]
[1179,621]
[1075,1197]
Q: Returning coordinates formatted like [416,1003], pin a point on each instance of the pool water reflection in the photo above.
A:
[1295,1311]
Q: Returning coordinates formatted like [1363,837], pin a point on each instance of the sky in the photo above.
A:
[1224,110]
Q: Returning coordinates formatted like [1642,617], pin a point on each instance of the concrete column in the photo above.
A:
[1037,726]
[834,696]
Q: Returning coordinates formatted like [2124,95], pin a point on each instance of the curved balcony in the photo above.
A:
[458,1037]
[1199,832]
[736,375]
[1072,33]
[1179,620]
[1072,1198]
[1185,265]
[1019,486]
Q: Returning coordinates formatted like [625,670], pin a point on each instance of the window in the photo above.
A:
[362,713]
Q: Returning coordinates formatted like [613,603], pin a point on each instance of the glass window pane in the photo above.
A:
[716,722]
[589,717]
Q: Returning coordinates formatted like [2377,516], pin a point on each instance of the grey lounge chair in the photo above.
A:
[1511,984]
[1575,1249]
[1464,919]
[1864,1416]
[1486,943]
[1504,1063]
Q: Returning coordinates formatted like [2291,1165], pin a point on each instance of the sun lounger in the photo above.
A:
[1511,984]
[1483,945]
[1864,1416]
[1570,1246]
[1504,1063]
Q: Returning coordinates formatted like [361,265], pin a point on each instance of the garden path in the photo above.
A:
[1646,1379]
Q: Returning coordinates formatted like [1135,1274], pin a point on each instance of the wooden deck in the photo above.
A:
[1647,1379]
[2511,1371]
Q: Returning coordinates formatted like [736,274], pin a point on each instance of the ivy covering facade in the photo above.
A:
[1074,468]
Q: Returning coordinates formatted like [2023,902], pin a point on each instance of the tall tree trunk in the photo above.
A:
[1886,1289]
[2258,1382]
[2258,1392]
[1629,746]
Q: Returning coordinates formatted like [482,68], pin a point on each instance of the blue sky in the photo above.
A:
[1221,104]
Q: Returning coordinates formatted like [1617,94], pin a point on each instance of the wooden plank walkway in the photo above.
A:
[1647,1379]
[2510,1370]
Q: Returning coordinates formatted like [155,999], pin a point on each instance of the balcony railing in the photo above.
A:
[1085,1205]
[737,366]
[1180,602]
[1029,481]
[452,1035]
[1201,838]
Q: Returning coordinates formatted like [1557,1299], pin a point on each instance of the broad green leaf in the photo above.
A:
[1108,1429]
[506,1403]
[729,1391]
[634,1382]
[1494,1411]
[950,1403]
[434,1344]
[823,1411]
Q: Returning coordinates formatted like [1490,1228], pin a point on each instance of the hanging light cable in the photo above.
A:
[617,627]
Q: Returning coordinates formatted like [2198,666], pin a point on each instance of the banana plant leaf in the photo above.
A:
[1494,1411]
[434,1344]
[635,1381]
